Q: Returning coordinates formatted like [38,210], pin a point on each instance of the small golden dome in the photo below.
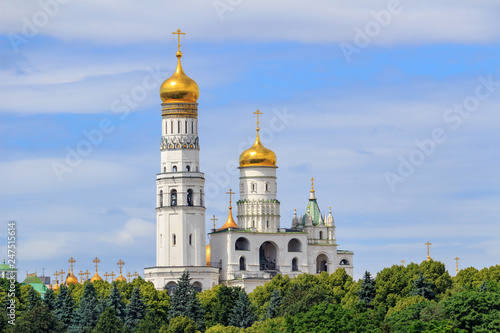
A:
[208,252]
[120,278]
[96,277]
[258,155]
[71,279]
[230,221]
[179,87]
[55,287]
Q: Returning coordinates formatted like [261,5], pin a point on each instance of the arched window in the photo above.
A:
[242,244]
[294,245]
[295,264]
[321,263]
[321,235]
[171,127]
[186,126]
[243,264]
[267,224]
[190,197]
[170,287]
[267,187]
[161,198]
[198,286]
[173,198]
[344,262]
[174,240]
[254,187]
[179,126]
[190,239]
[164,169]
[192,127]
[174,168]
[201,197]
[253,224]
[188,168]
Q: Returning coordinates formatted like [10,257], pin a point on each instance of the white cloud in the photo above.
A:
[133,232]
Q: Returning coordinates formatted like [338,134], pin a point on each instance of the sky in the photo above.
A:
[392,106]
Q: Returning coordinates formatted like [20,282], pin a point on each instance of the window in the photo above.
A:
[174,240]
[321,235]
[179,126]
[170,287]
[161,198]
[294,245]
[267,224]
[190,239]
[190,197]
[174,168]
[267,187]
[242,244]
[171,127]
[344,262]
[164,169]
[186,126]
[198,286]
[253,223]
[192,127]
[254,187]
[243,264]
[295,265]
[173,198]
[201,197]
[188,168]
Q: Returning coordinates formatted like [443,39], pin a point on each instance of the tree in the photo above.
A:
[136,309]
[86,314]
[422,287]
[108,322]
[243,314]
[181,324]
[115,301]
[64,307]
[49,299]
[36,320]
[483,287]
[151,323]
[366,291]
[274,304]
[184,302]
[225,300]
[33,299]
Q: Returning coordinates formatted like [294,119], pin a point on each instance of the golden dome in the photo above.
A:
[179,87]
[71,279]
[208,252]
[258,155]
[230,221]
[55,287]
[96,277]
[120,278]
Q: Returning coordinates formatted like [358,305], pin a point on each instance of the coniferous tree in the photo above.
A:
[50,299]
[243,314]
[87,313]
[274,304]
[38,319]
[422,287]
[64,307]
[151,323]
[136,309]
[108,323]
[483,287]
[33,300]
[366,292]
[184,302]
[115,301]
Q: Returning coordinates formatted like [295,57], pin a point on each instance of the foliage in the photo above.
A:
[366,291]
[224,329]
[151,323]
[64,307]
[86,314]
[181,324]
[115,302]
[225,300]
[36,320]
[184,302]
[261,296]
[270,325]
[136,310]
[33,299]
[274,304]
[49,300]
[422,287]
[243,314]
[108,322]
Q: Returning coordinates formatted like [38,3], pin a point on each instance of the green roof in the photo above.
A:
[5,267]
[313,209]
[32,279]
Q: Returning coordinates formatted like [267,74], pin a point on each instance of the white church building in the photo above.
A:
[247,252]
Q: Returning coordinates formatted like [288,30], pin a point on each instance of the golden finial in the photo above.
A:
[96,262]
[178,33]
[106,276]
[403,263]
[71,262]
[456,260]
[129,276]
[112,275]
[81,276]
[230,197]
[428,250]
[312,184]
[87,274]
[295,210]
[56,274]
[214,219]
[62,275]
[120,264]
[258,113]
[136,275]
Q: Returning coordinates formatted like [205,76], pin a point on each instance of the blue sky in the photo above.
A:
[380,130]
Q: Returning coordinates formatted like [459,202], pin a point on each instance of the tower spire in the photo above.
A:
[178,33]
[428,251]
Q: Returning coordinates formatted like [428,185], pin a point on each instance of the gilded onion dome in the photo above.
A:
[121,278]
[179,87]
[258,155]
[71,279]
[95,278]
[208,251]
[55,287]
[230,221]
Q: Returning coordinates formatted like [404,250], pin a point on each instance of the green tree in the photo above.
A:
[270,325]
[483,287]
[422,287]
[115,302]
[304,293]
[33,299]
[36,320]
[243,314]
[151,323]
[136,309]
[49,299]
[274,304]
[86,314]
[225,300]
[366,291]
[181,324]
[108,323]
[261,296]
[64,307]
[184,302]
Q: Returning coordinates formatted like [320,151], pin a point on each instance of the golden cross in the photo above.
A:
[403,263]
[81,276]
[120,263]
[96,261]
[129,276]
[457,259]
[106,276]
[62,275]
[312,184]
[214,219]
[112,276]
[258,113]
[87,273]
[230,193]
[56,274]
[71,262]
[178,33]
[428,246]
[136,275]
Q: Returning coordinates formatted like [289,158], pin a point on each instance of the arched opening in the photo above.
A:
[321,263]
[170,287]
[321,235]
[243,264]
[174,168]
[190,239]
[188,168]
[294,245]
[267,256]
[198,286]
[185,127]
[344,262]
[267,224]
[174,240]
[171,127]
[178,127]
[173,198]
[190,197]
[295,265]
[192,127]
[254,187]
[242,244]
[201,197]
[164,169]
[161,198]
